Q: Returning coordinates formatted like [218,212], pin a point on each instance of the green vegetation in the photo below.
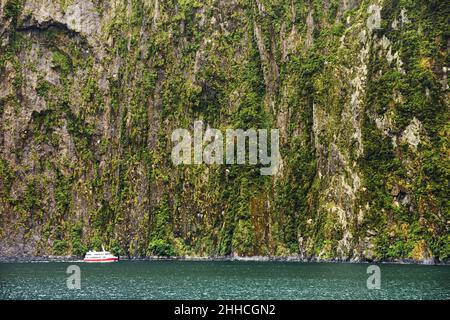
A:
[88,163]
[160,247]
[12,9]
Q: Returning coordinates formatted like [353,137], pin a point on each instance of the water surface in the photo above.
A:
[188,280]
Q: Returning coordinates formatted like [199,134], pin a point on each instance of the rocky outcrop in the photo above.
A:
[90,93]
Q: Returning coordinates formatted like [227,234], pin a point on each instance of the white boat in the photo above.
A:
[100,256]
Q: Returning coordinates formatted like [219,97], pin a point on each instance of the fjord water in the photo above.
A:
[222,280]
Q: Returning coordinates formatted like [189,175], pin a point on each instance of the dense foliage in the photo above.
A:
[85,157]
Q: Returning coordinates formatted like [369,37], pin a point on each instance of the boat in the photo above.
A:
[100,256]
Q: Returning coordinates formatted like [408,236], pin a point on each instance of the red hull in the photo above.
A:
[102,260]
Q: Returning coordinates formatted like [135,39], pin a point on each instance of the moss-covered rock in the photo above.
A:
[91,91]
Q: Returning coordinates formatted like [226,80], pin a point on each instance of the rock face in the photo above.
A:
[90,92]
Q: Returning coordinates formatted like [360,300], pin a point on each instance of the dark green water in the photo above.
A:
[222,280]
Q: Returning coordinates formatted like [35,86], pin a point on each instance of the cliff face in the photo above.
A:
[90,92]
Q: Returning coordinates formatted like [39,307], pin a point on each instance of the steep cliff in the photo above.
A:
[90,92]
